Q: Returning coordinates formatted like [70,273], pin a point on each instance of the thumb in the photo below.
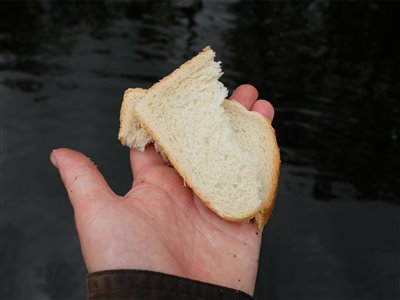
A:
[83,181]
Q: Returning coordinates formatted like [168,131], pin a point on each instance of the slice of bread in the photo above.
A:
[226,154]
[130,132]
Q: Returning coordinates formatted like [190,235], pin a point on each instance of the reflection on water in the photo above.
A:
[333,72]
[330,68]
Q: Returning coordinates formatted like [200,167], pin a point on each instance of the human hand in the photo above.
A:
[160,224]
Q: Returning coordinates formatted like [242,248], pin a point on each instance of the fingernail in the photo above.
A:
[53,158]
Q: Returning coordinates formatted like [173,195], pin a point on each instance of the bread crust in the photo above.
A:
[264,211]
[123,116]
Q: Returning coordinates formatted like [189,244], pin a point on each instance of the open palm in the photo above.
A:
[160,225]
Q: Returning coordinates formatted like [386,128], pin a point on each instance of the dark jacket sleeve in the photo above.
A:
[137,284]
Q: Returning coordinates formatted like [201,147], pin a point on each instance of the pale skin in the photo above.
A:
[160,224]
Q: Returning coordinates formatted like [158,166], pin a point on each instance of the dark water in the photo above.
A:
[331,69]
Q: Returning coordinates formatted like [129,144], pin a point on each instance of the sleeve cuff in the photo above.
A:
[139,284]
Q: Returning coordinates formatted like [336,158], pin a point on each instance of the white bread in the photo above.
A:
[130,132]
[226,154]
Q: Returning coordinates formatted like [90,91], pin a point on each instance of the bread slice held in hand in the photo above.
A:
[225,153]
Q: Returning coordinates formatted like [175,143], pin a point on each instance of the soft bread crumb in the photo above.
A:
[226,154]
